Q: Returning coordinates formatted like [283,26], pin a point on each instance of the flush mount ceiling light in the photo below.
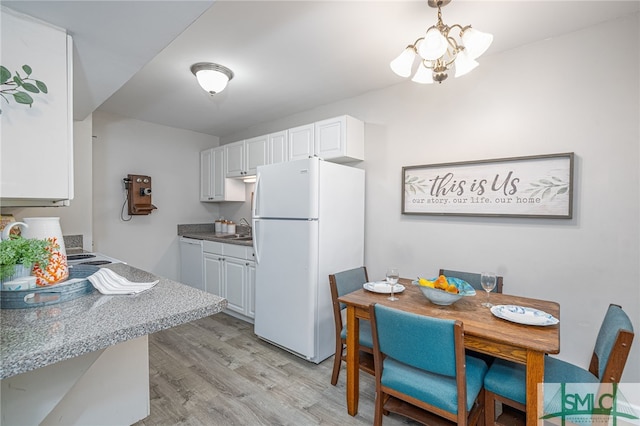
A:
[440,49]
[213,78]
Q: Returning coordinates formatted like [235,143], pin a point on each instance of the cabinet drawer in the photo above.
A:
[234,250]
[212,247]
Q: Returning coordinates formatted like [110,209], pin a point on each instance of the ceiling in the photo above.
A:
[132,58]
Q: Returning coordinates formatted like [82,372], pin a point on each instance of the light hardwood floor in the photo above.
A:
[215,371]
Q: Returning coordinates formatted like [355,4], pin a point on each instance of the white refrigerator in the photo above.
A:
[308,222]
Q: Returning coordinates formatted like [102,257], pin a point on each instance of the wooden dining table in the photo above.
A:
[483,332]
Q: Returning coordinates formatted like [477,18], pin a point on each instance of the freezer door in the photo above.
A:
[287,190]
[286,283]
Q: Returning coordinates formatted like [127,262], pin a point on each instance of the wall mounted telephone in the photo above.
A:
[139,194]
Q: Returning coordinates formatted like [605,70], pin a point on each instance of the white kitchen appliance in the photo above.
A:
[191,263]
[308,222]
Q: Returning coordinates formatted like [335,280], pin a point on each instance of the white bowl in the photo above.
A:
[444,298]
[440,297]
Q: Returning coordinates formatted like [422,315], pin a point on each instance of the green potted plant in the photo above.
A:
[17,251]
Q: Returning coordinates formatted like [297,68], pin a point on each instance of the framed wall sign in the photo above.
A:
[536,186]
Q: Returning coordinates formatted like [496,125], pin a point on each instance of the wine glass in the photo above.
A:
[488,282]
[392,279]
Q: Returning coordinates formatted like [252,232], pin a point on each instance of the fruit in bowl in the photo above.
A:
[444,290]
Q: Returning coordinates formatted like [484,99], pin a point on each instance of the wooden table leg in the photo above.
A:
[535,376]
[353,354]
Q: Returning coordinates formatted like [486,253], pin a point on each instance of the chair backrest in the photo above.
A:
[422,342]
[432,344]
[346,282]
[612,345]
[472,278]
[343,283]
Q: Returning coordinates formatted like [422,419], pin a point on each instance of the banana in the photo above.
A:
[425,282]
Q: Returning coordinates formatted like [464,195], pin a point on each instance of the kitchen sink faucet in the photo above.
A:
[244,222]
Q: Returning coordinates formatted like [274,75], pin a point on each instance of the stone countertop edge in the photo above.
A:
[36,337]
[216,237]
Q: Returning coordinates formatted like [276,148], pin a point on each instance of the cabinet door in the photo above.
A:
[301,142]
[278,147]
[340,139]
[217,174]
[213,274]
[234,155]
[251,289]
[206,178]
[37,140]
[234,275]
[255,154]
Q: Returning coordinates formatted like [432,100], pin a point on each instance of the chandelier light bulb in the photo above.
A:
[464,63]
[423,75]
[433,46]
[404,62]
[476,42]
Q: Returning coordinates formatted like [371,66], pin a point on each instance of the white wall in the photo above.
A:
[75,219]
[547,97]
[172,158]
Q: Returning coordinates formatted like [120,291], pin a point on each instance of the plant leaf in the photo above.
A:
[30,88]
[5,74]
[43,87]
[562,190]
[23,98]
[27,69]
[17,80]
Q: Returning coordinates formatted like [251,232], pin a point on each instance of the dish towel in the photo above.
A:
[108,282]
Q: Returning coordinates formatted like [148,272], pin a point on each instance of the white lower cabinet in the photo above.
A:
[229,271]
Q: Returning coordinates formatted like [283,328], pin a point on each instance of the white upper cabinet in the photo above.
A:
[234,157]
[214,185]
[255,154]
[37,141]
[206,178]
[301,142]
[278,152]
[340,139]
[242,158]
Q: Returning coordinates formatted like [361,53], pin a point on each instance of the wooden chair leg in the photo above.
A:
[337,363]
[377,416]
[489,408]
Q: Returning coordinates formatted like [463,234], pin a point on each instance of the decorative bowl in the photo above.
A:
[444,298]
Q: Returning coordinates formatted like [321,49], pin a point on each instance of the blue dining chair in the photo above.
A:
[506,381]
[472,278]
[342,283]
[422,371]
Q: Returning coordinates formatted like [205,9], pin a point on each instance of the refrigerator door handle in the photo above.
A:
[256,198]
[256,237]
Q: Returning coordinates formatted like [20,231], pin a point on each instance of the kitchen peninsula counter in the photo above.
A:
[73,336]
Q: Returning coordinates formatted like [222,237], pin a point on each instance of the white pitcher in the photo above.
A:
[45,228]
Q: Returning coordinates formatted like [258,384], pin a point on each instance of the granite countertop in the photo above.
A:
[36,337]
[210,236]
[205,231]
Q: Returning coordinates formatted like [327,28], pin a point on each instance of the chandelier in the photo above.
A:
[440,49]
